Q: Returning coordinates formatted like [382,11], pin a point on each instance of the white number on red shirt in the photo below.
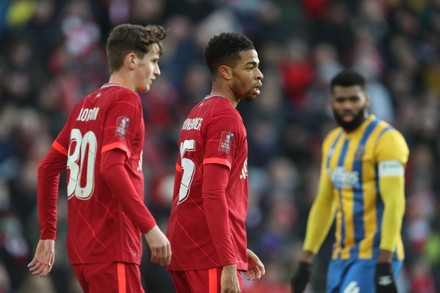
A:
[188,167]
[80,148]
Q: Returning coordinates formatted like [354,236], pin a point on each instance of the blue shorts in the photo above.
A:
[354,275]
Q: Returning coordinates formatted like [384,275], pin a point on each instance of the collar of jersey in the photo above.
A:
[109,84]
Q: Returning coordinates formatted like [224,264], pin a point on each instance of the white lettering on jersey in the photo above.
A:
[194,123]
[391,169]
[87,114]
[342,178]
[244,171]
[352,287]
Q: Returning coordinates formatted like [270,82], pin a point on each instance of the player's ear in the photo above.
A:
[367,100]
[225,72]
[130,61]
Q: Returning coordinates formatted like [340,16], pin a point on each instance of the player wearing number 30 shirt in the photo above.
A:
[109,118]
[100,147]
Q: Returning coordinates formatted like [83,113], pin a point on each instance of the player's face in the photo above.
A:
[247,76]
[349,105]
[147,69]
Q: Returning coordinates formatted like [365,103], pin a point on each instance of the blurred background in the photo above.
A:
[52,53]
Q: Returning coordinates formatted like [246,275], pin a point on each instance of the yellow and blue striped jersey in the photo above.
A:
[350,179]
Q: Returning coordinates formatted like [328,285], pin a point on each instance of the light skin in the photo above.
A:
[136,74]
[236,83]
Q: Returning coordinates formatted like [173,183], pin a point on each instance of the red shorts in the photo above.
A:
[200,281]
[109,277]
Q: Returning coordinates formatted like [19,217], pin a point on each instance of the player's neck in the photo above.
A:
[227,93]
[122,80]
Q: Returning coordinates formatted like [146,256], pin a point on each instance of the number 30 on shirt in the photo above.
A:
[80,148]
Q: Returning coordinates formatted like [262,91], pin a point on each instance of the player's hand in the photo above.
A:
[299,280]
[44,258]
[229,280]
[159,246]
[384,279]
[255,267]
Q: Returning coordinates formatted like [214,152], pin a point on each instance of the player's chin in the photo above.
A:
[251,96]
[145,88]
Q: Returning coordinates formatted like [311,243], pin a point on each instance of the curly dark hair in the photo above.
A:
[225,48]
[347,77]
[126,38]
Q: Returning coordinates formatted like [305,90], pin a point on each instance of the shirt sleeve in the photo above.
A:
[222,140]
[215,181]
[392,155]
[115,175]
[49,171]
[48,181]
[123,118]
[323,211]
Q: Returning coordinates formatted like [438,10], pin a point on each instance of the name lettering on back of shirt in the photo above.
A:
[193,123]
[87,114]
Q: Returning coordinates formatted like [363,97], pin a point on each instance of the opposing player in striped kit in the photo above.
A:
[362,186]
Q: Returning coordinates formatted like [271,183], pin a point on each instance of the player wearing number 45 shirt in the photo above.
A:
[101,148]
[207,222]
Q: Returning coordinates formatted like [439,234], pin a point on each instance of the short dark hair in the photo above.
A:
[225,48]
[126,38]
[347,78]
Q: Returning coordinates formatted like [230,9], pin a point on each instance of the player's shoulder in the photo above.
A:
[392,139]
[388,132]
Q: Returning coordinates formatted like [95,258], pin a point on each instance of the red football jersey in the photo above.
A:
[213,133]
[99,228]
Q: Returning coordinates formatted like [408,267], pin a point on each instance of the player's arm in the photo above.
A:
[320,218]
[393,197]
[319,222]
[115,175]
[48,180]
[392,156]
[215,181]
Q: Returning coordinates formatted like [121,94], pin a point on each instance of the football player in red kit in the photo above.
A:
[207,222]
[100,147]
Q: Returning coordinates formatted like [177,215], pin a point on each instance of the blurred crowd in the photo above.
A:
[52,53]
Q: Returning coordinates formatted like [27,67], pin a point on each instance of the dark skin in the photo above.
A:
[242,81]
[347,102]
